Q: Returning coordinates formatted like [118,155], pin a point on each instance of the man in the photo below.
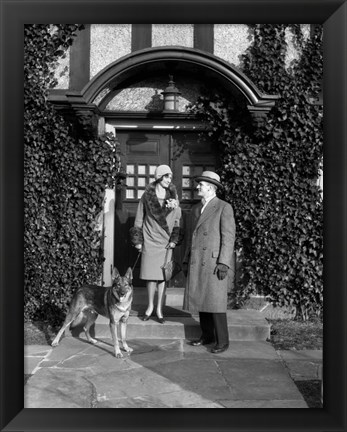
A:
[208,263]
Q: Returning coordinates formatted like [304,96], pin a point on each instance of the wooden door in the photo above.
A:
[142,151]
[191,154]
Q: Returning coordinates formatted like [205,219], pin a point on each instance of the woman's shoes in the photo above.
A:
[146,317]
[161,320]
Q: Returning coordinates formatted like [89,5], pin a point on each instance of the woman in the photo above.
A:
[157,231]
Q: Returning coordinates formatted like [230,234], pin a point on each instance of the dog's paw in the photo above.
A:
[54,343]
[128,349]
[118,354]
[92,341]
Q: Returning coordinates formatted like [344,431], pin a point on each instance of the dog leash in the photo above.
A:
[137,258]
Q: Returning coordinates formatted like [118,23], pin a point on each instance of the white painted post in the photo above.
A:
[109,214]
[109,206]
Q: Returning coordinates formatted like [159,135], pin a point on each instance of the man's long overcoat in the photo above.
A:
[212,243]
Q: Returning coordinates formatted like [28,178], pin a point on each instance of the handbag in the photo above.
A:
[170,268]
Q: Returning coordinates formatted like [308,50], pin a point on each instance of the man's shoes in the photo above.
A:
[201,341]
[219,348]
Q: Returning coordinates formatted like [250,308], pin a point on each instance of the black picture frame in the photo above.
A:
[333,14]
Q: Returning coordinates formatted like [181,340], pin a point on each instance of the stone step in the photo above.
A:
[243,325]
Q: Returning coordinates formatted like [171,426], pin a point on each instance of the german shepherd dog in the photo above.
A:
[112,302]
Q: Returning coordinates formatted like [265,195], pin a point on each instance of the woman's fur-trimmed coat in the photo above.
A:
[155,227]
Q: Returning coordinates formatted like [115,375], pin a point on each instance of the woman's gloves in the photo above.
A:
[171,203]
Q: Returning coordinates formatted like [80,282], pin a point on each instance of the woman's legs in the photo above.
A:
[151,287]
[161,291]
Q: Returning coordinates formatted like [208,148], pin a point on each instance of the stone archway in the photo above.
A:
[87,105]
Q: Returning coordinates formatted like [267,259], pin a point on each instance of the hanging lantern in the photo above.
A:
[171,94]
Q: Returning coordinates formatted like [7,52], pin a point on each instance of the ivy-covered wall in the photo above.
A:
[271,172]
[65,175]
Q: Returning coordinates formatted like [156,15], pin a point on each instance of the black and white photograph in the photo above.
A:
[177,237]
[199,146]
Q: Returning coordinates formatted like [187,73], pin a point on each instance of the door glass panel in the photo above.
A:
[131,169]
[141,170]
[137,179]
[141,182]
[152,169]
[186,182]
[130,182]
[186,170]
[130,194]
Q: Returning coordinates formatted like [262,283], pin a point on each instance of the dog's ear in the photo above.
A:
[115,274]
[129,274]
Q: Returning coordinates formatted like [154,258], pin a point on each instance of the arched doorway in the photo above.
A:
[149,137]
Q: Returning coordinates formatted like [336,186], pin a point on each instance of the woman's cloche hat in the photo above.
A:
[162,170]
[210,177]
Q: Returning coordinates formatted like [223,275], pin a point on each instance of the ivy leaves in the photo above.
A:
[64,185]
[271,172]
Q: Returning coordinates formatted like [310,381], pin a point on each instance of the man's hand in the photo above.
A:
[221,270]
[139,247]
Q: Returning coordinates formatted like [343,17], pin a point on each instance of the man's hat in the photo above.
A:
[210,177]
